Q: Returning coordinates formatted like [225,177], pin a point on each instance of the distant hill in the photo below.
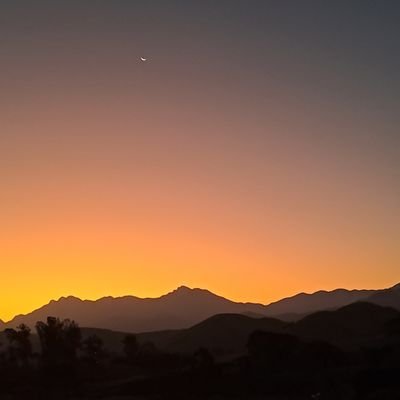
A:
[351,326]
[225,335]
[222,334]
[356,324]
[185,307]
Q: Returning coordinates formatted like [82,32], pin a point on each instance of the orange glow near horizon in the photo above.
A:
[148,242]
[119,216]
[239,158]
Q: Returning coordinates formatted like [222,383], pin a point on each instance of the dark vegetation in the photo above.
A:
[350,353]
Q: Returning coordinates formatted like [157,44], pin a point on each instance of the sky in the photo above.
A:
[255,153]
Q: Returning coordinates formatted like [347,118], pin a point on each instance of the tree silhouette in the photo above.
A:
[59,340]
[203,359]
[272,351]
[92,348]
[20,346]
[148,349]
[131,347]
[392,328]
[2,355]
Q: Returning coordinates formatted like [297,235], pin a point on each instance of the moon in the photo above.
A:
[143,59]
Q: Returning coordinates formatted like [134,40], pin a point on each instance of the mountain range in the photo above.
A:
[352,326]
[185,307]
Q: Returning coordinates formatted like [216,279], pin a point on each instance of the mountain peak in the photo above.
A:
[69,298]
[185,291]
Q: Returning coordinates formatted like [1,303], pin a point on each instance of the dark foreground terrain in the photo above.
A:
[349,353]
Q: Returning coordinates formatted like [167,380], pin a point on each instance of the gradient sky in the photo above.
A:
[256,153]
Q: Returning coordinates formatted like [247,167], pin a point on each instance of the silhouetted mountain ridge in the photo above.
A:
[185,307]
[178,309]
[387,297]
[304,303]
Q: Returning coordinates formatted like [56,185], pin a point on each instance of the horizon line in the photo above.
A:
[62,297]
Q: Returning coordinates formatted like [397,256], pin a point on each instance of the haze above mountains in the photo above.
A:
[185,307]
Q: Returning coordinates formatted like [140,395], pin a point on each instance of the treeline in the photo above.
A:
[61,345]
[68,363]
[65,360]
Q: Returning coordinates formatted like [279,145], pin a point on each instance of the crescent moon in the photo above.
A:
[143,59]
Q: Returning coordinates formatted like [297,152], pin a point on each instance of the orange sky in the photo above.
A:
[246,175]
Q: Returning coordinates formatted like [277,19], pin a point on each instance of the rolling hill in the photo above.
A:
[225,335]
[356,324]
[221,334]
